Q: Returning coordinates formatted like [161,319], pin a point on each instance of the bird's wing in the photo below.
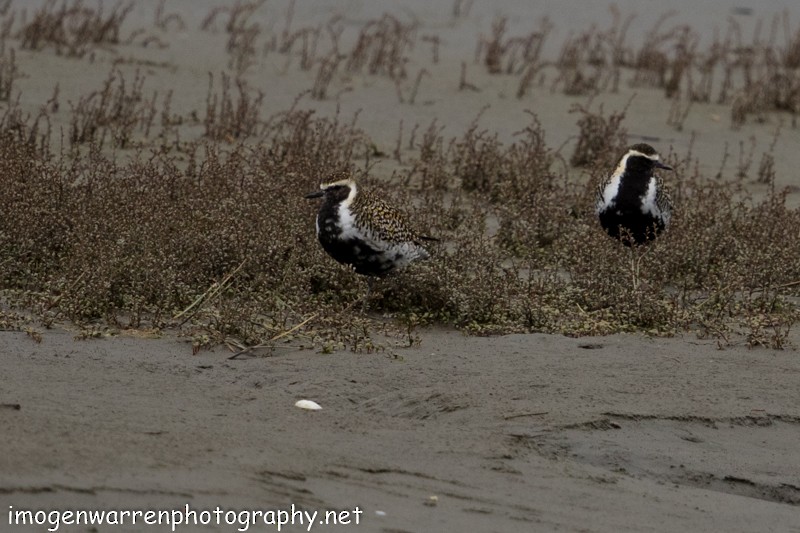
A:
[384,221]
[663,198]
[599,197]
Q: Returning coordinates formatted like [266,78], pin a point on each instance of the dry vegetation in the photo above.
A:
[754,77]
[73,28]
[211,236]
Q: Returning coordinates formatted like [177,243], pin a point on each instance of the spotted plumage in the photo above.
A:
[633,204]
[358,228]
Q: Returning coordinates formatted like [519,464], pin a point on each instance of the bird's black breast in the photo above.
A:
[625,211]
[358,253]
[631,193]
[641,227]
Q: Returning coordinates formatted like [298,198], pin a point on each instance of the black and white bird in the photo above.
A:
[633,204]
[359,229]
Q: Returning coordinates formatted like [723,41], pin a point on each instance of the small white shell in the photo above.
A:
[380,513]
[308,404]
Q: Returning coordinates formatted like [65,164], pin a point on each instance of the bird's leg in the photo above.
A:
[627,238]
[638,253]
[365,305]
[634,269]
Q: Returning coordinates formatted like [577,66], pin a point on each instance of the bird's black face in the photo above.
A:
[644,165]
[333,194]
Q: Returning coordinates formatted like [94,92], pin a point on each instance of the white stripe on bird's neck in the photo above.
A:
[610,191]
[347,219]
[351,195]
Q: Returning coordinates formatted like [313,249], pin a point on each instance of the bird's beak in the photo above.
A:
[317,194]
[661,165]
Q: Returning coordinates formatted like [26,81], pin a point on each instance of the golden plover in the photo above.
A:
[359,229]
[632,204]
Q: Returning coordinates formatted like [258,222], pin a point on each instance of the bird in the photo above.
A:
[358,228]
[633,205]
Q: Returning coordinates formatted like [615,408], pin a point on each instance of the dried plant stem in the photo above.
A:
[210,294]
[275,338]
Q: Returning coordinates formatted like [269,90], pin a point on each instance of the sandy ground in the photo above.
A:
[513,433]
